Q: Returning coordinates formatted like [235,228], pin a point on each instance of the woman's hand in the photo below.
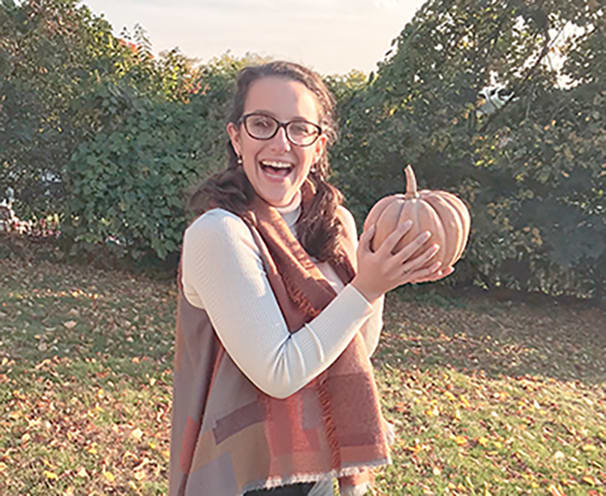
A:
[382,271]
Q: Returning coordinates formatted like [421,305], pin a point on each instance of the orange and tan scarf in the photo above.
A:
[227,436]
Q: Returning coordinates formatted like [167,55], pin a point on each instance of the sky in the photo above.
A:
[329,36]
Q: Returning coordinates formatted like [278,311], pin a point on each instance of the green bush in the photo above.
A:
[532,172]
[129,183]
[126,133]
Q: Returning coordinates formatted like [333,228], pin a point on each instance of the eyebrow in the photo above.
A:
[271,114]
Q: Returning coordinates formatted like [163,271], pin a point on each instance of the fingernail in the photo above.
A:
[436,247]
[426,235]
[407,224]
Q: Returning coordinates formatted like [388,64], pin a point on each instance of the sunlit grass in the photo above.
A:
[488,397]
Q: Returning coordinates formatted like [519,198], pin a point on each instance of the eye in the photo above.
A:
[261,123]
[302,128]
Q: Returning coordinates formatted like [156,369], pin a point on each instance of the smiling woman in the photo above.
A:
[280,309]
[277,157]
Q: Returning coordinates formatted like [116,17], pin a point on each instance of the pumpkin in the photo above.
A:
[439,212]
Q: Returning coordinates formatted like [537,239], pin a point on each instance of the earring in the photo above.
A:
[239,160]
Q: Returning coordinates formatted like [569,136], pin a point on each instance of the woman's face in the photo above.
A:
[285,100]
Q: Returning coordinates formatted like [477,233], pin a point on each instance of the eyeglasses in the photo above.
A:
[264,127]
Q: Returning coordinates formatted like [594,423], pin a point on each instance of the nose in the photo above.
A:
[280,141]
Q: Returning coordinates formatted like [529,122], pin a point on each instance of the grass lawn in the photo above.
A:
[490,396]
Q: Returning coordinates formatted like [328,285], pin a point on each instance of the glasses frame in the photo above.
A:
[284,125]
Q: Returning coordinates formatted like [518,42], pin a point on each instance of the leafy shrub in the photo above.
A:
[532,172]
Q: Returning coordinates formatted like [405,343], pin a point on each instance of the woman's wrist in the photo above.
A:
[369,295]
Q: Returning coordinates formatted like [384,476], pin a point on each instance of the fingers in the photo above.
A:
[435,276]
[443,273]
[415,274]
[421,260]
[366,238]
[394,238]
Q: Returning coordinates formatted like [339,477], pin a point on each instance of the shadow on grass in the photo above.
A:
[57,310]
[79,316]
[509,335]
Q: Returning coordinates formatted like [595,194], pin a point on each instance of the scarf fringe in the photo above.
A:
[273,482]
[299,297]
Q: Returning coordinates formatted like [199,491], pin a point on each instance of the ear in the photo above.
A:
[319,147]
[234,136]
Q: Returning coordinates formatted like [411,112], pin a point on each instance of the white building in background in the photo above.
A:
[494,98]
[9,222]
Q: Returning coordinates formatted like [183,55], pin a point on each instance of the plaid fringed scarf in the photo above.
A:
[228,437]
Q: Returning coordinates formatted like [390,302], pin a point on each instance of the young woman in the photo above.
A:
[280,309]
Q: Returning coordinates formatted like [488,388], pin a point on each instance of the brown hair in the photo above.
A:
[318,226]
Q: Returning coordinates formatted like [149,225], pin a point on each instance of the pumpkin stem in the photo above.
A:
[411,183]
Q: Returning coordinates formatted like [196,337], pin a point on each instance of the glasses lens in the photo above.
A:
[260,126]
[302,133]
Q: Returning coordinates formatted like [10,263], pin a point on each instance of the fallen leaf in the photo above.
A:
[70,324]
[137,434]
[588,479]
[449,396]
[460,440]
[15,414]
[482,441]
[50,475]
[416,449]
[556,491]
[433,412]
[109,476]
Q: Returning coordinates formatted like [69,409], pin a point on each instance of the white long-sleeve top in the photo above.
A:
[223,273]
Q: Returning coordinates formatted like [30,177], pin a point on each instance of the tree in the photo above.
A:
[544,147]
[46,49]
[58,63]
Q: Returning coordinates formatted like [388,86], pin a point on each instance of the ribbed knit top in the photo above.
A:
[223,273]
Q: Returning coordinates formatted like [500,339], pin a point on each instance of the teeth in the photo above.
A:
[277,165]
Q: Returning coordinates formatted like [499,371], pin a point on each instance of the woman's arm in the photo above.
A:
[371,329]
[223,273]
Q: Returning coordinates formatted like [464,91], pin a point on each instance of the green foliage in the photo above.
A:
[122,134]
[54,58]
[129,180]
[50,53]
[25,88]
[532,172]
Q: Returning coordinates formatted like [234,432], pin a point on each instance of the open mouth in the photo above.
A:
[276,168]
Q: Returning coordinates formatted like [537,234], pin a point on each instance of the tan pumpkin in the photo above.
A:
[440,212]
